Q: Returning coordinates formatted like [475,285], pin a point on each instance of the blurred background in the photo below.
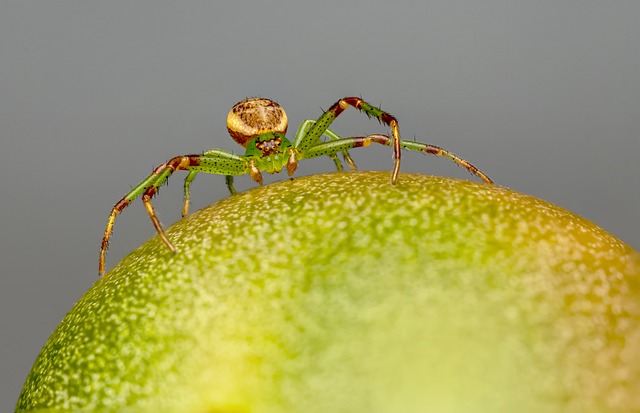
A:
[543,96]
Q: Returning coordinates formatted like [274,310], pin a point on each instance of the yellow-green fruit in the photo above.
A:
[343,293]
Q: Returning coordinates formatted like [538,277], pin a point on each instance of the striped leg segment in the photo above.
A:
[214,162]
[117,208]
[157,178]
[224,158]
[327,148]
[438,151]
[311,138]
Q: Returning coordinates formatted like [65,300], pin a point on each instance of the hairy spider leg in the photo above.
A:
[310,139]
[191,176]
[187,189]
[187,192]
[438,151]
[215,162]
[327,148]
[304,128]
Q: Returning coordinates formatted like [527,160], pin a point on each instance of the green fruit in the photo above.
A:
[343,293]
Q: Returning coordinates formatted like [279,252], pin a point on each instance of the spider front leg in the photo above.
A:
[191,176]
[306,141]
[328,148]
[214,162]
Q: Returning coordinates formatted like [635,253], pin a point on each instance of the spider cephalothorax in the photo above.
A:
[260,126]
[270,152]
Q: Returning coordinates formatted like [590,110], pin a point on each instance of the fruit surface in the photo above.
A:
[342,293]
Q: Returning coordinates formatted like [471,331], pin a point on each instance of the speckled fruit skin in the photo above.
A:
[342,293]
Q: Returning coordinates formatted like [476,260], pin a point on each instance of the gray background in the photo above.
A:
[542,95]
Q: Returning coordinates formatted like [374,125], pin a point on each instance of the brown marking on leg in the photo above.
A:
[178,163]
[146,200]
[426,148]
[438,151]
[381,139]
[363,141]
[357,103]
[383,117]
[337,108]
[353,101]
[117,208]
[174,164]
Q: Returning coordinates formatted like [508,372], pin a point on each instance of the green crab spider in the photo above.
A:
[260,126]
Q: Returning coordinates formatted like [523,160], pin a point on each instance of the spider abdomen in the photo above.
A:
[253,117]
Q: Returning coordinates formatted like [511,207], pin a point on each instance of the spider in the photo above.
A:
[260,125]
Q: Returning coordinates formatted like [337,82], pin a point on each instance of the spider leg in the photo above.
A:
[306,141]
[146,200]
[229,181]
[187,192]
[214,162]
[191,176]
[304,128]
[438,151]
[327,148]
[157,178]
[345,155]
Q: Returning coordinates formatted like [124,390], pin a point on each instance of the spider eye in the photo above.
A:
[255,116]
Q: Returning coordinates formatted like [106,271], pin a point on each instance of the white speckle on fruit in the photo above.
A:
[341,292]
